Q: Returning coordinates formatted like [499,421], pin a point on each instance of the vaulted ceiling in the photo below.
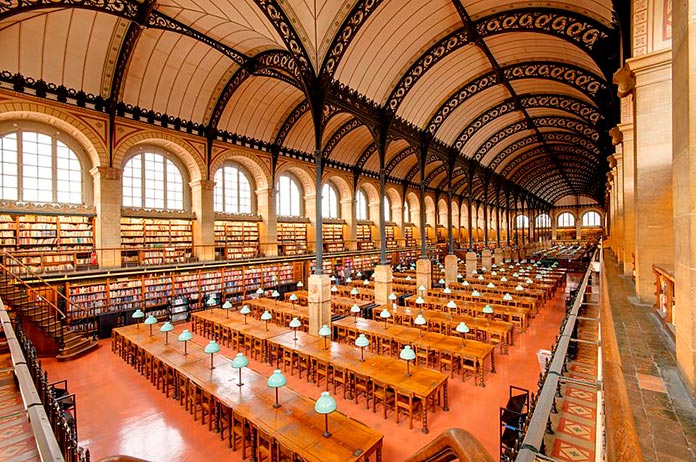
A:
[492,92]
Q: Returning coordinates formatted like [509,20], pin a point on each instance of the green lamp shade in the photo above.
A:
[419,300]
[275,294]
[422,289]
[474,272]
[358,274]
[300,284]
[442,270]
[480,277]
[349,280]
[507,297]
[245,310]
[462,328]
[138,314]
[259,291]
[211,301]
[407,353]
[420,320]
[227,305]
[441,281]
[355,309]
[483,269]
[519,287]
[293,297]
[515,275]
[354,291]
[326,404]
[240,361]
[212,348]
[451,305]
[459,276]
[446,290]
[465,283]
[494,273]
[167,327]
[333,289]
[408,278]
[487,309]
[475,293]
[503,279]
[494,265]
[277,379]
[490,285]
[150,320]
[385,314]
[392,296]
[366,282]
[185,336]
[266,316]
[325,331]
[362,341]
[528,281]
[539,276]
[332,278]
[295,323]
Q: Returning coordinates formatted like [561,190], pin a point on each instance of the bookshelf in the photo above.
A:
[389,233]
[292,238]
[364,235]
[154,241]
[332,237]
[236,240]
[179,309]
[47,243]
[408,236]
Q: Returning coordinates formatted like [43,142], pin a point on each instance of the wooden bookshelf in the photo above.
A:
[389,233]
[332,237]
[292,238]
[364,237]
[236,240]
[408,236]
[154,241]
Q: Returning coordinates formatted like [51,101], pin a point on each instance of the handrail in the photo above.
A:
[452,444]
[69,304]
[534,436]
[621,434]
[46,442]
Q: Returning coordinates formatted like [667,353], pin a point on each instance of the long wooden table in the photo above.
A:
[426,385]
[295,426]
[499,332]
[339,304]
[470,355]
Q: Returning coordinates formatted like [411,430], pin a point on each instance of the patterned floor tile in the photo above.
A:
[562,450]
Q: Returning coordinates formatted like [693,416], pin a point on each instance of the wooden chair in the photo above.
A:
[408,404]
[448,361]
[324,370]
[341,378]
[257,349]
[240,434]
[303,364]
[362,385]
[224,422]
[381,393]
[265,446]
[422,356]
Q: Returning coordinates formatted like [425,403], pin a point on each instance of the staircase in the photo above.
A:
[36,304]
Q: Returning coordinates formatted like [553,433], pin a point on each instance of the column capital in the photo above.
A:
[105,173]
[625,79]
[612,161]
[205,185]
[616,135]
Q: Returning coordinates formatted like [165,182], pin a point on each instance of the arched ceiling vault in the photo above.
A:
[484,91]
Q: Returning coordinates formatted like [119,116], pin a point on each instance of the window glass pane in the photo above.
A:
[174,187]
[566,220]
[37,171]
[69,175]
[522,221]
[219,204]
[407,212]
[360,206]
[591,219]
[8,167]
[287,197]
[329,202]
[387,209]
[132,183]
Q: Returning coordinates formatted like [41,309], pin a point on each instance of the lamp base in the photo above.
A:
[276,406]
[240,384]
[326,434]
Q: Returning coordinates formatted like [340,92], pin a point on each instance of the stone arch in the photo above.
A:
[304,175]
[372,196]
[414,205]
[584,211]
[259,171]
[191,160]
[343,186]
[83,134]
[430,212]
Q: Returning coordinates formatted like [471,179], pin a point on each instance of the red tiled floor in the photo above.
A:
[17,443]
[120,412]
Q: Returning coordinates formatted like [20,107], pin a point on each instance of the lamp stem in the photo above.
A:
[211,362]
[362,354]
[277,404]
[150,330]
[408,372]
[266,326]
[185,350]
[166,338]
[245,319]
[326,426]
[239,384]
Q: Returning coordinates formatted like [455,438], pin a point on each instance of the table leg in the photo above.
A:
[253,445]
[482,370]
[445,397]
[493,361]
[424,410]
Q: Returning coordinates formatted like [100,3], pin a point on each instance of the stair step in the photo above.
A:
[77,350]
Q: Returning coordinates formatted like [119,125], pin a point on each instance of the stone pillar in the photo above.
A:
[310,211]
[507,253]
[204,225]
[107,224]
[653,188]
[451,269]
[424,273]
[351,229]
[618,216]
[319,301]
[486,259]
[268,228]
[684,185]
[498,257]
[470,263]
[383,284]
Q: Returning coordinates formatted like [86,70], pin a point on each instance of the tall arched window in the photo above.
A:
[232,190]
[153,181]
[288,197]
[566,220]
[543,221]
[329,201]
[591,219]
[36,167]
[522,221]
[387,209]
[407,212]
[360,205]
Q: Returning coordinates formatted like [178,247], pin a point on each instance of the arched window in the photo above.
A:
[387,209]
[407,212]
[360,205]
[329,201]
[288,197]
[566,220]
[36,167]
[591,219]
[543,221]
[522,221]
[153,181]
[232,190]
